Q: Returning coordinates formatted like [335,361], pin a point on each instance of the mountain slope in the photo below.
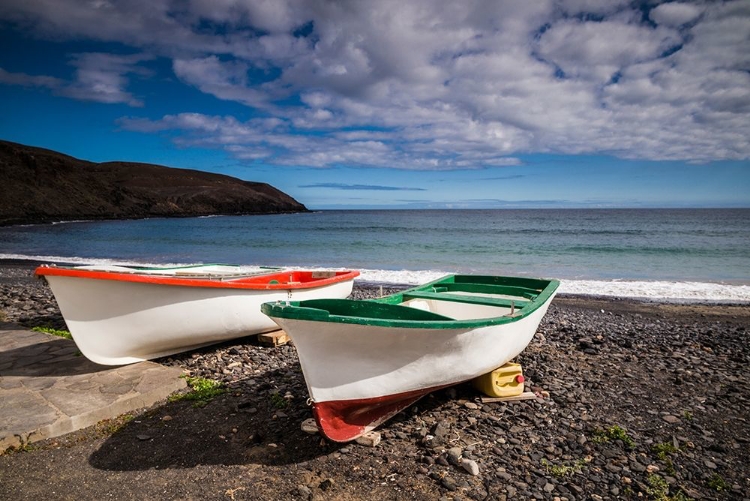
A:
[38,186]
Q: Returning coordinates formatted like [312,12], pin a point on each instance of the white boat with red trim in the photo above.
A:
[120,315]
[365,361]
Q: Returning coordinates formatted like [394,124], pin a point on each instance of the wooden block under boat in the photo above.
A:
[275,338]
[527,395]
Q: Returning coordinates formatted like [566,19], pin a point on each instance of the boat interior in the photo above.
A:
[453,299]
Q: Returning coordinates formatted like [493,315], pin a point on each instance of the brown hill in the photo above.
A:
[39,186]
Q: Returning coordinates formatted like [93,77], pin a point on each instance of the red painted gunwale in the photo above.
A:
[346,420]
[301,279]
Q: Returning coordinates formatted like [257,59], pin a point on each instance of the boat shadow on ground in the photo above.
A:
[56,358]
[240,427]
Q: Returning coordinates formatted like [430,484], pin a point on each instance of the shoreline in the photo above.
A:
[51,221]
[31,264]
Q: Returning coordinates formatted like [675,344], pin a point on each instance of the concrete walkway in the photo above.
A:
[48,389]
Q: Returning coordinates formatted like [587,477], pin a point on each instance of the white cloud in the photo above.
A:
[29,80]
[598,50]
[98,77]
[102,77]
[675,14]
[225,80]
[429,85]
[593,7]
[270,140]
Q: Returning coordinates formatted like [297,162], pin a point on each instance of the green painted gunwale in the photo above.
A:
[388,312]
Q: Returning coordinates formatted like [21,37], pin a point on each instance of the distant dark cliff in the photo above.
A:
[39,186]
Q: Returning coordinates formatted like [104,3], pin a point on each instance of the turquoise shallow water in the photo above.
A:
[706,245]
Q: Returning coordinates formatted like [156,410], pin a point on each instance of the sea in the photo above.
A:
[680,255]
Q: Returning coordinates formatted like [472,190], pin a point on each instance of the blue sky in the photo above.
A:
[397,104]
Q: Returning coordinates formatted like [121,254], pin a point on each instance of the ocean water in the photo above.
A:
[651,253]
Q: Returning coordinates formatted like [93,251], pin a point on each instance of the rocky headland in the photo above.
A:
[42,186]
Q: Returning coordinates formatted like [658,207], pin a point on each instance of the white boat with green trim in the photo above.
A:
[121,314]
[365,361]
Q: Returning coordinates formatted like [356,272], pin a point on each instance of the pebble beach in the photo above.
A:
[634,400]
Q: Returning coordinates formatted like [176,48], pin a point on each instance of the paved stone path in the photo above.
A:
[47,388]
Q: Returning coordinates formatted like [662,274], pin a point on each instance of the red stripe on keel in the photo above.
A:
[346,420]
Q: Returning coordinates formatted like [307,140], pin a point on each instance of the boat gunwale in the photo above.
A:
[294,310]
[218,282]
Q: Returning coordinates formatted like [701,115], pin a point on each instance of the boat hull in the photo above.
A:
[358,376]
[117,322]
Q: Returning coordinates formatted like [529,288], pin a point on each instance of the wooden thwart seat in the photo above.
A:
[458,298]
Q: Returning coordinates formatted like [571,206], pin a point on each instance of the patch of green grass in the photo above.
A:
[55,332]
[717,483]
[687,416]
[564,469]
[15,450]
[278,401]
[108,427]
[613,433]
[203,391]
[658,490]
[663,449]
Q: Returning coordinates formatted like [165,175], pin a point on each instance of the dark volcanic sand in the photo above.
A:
[641,401]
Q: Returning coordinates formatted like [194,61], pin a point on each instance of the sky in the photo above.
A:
[394,104]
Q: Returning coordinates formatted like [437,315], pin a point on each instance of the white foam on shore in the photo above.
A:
[87,261]
[678,292]
[663,291]
[656,290]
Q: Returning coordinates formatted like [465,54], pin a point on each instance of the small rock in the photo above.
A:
[369,439]
[470,466]
[449,483]
[442,429]
[325,484]
[454,455]
[309,426]
[637,467]
[504,475]
[671,419]
[143,437]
